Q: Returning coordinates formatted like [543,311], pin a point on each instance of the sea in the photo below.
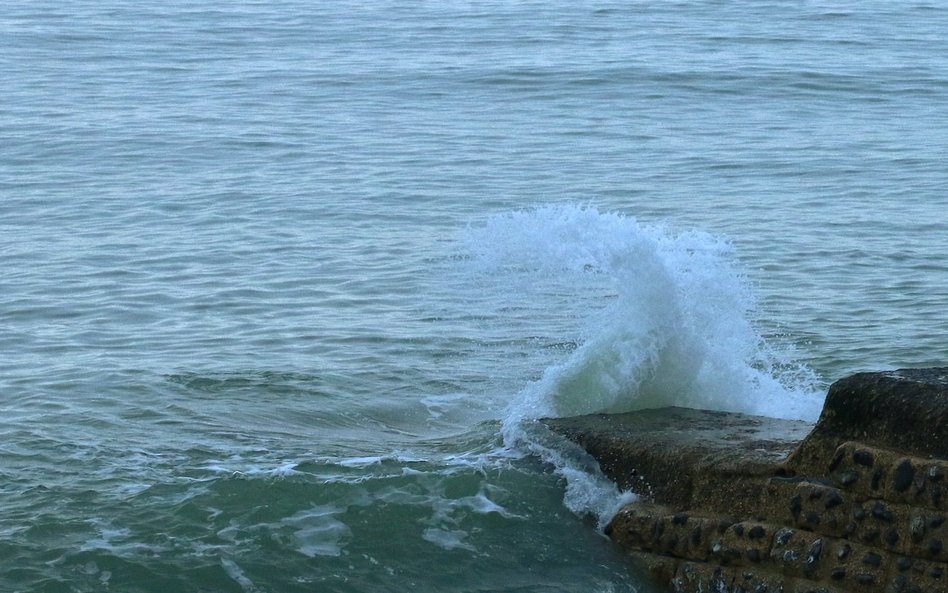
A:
[287,284]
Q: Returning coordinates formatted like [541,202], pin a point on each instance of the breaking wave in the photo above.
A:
[654,318]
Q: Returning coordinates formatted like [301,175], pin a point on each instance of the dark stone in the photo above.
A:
[876,479]
[872,559]
[917,529]
[833,500]
[848,478]
[753,555]
[783,536]
[838,574]
[813,554]
[696,536]
[813,518]
[904,474]
[843,552]
[863,457]
[739,530]
[937,572]
[934,547]
[904,563]
[865,579]
[936,522]
[680,519]
[881,511]
[892,537]
[897,585]
[796,505]
[859,513]
[936,495]
[871,536]
[935,474]
[756,532]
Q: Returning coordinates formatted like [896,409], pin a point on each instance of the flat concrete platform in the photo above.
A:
[668,453]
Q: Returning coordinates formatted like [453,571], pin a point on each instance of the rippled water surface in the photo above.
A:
[285,283]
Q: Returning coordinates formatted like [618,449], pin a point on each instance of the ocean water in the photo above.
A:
[286,284]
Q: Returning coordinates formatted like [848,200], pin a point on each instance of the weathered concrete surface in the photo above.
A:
[904,410]
[736,503]
[685,457]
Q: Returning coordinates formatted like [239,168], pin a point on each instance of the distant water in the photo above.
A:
[285,283]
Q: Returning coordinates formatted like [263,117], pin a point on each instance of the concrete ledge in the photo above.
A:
[737,503]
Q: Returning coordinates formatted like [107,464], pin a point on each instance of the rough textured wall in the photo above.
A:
[736,503]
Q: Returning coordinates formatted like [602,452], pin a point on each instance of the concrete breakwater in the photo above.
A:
[731,503]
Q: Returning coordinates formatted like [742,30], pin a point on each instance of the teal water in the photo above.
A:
[285,284]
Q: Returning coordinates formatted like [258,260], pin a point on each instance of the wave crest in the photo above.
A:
[668,317]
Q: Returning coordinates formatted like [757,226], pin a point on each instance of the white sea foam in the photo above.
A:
[667,319]
[452,539]
[235,572]
[318,532]
[670,317]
